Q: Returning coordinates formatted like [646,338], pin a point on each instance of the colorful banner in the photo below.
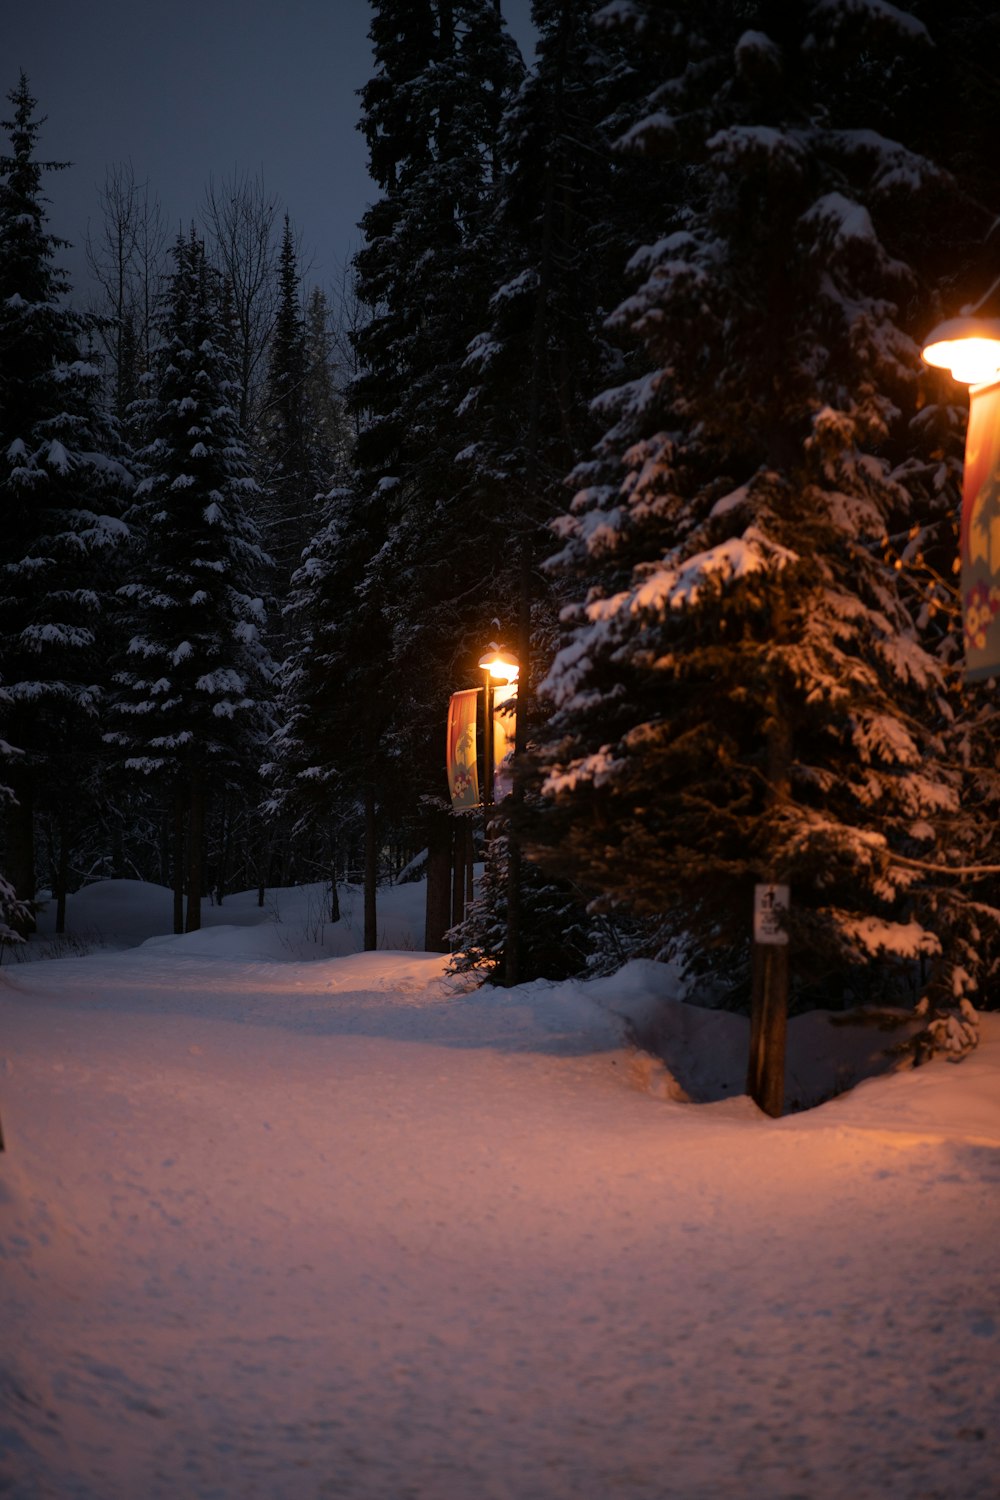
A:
[981,535]
[503,740]
[463,767]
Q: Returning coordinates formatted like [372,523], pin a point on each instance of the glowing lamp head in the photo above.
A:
[500,663]
[969,348]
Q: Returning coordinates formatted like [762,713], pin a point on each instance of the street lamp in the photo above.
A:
[500,669]
[968,347]
[501,664]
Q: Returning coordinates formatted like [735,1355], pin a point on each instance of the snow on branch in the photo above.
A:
[647,134]
[680,586]
[895,166]
[848,222]
[779,149]
[755,48]
[876,938]
[873,10]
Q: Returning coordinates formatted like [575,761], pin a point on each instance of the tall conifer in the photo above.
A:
[194,685]
[743,693]
[62,487]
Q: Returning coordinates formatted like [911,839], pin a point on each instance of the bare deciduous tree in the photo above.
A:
[241,220]
[127,259]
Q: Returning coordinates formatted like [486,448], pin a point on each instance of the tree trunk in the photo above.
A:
[62,875]
[225,848]
[263,857]
[437,916]
[179,811]
[196,839]
[371,870]
[460,886]
[117,846]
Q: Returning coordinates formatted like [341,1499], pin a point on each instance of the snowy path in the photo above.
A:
[275,1231]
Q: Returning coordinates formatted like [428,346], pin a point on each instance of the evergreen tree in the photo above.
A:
[444,70]
[194,685]
[299,424]
[291,482]
[329,755]
[330,432]
[743,693]
[62,485]
[559,240]
[959,250]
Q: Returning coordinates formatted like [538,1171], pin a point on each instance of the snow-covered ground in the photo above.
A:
[277,1225]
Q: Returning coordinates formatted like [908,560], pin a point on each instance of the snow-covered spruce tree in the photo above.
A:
[298,467]
[62,488]
[194,687]
[329,756]
[431,115]
[960,252]
[743,693]
[566,209]
[328,358]
[312,804]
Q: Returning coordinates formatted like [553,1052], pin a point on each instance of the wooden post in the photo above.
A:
[768,1027]
[769,998]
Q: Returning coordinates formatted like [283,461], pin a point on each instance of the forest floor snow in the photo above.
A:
[277,1225]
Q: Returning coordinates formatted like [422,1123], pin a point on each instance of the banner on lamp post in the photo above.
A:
[981,535]
[462,761]
[503,739]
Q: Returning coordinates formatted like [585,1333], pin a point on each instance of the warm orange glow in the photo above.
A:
[967,347]
[500,663]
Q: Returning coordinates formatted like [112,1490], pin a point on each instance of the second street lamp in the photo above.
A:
[499,666]
[968,347]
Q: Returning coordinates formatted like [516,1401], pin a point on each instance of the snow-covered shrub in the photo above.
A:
[952,1030]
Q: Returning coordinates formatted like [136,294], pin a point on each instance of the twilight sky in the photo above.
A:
[192,88]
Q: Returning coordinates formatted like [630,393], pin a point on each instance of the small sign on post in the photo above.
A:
[770,903]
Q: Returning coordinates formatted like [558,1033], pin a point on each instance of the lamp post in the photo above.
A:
[968,347]
[498,666]
[471,784]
